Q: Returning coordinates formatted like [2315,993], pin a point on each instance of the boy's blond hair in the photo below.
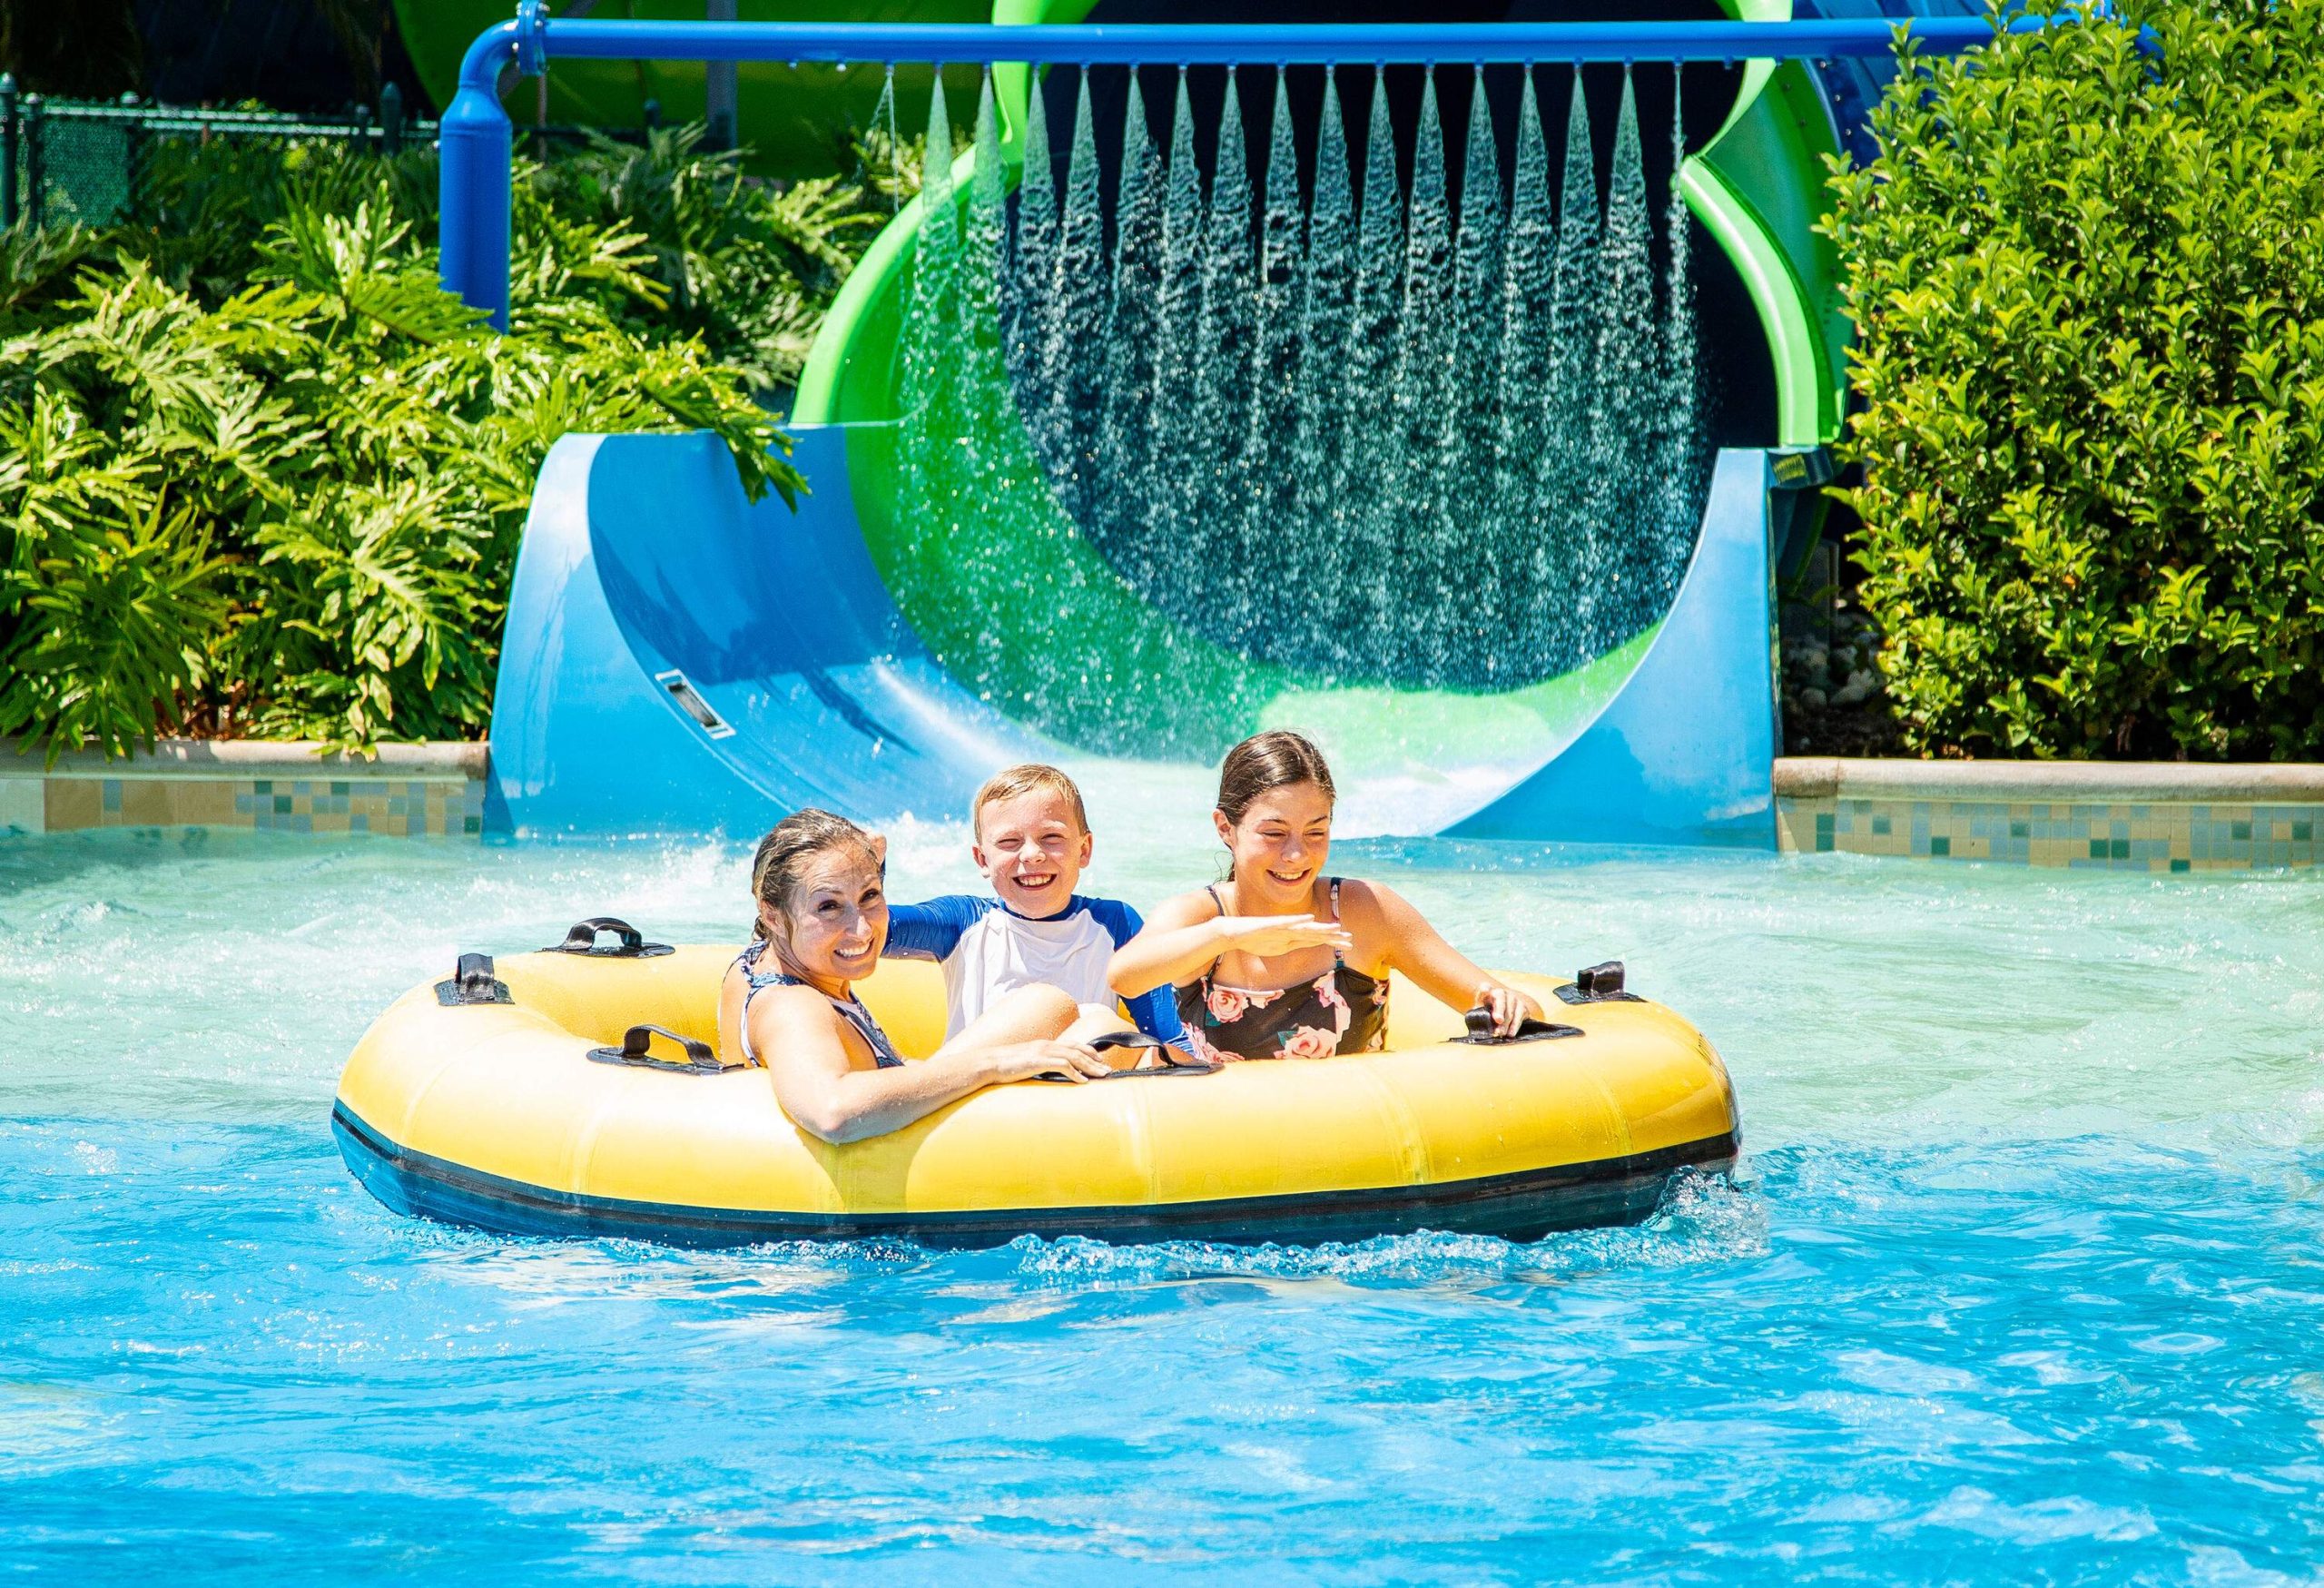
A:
[1029,778]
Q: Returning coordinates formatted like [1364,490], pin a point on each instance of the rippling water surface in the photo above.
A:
[2023,1281]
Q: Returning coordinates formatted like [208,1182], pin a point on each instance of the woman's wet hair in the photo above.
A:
[1277,758]
[784,853]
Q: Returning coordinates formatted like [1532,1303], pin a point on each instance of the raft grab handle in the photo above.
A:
[472,982]
[1598,984]
[630,944]
[1480,1023]
[636,1045]
[1176,1066]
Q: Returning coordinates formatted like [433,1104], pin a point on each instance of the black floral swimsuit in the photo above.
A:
[1343,1011]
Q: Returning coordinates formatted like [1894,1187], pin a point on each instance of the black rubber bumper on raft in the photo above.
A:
[1516,1206]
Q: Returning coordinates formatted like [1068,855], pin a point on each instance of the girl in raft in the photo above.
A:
[1281,961]
[821,921]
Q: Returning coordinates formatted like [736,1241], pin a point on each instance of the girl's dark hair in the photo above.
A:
[785,850]
[1275,759]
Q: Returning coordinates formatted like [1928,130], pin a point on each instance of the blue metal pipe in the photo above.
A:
[473,181]
[475,136]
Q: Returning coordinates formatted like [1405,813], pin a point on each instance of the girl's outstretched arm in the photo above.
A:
[1419,951]
[1185,936]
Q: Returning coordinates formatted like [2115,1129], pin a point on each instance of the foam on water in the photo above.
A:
[2018,1284]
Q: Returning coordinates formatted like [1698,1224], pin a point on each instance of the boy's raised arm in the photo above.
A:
[931,930]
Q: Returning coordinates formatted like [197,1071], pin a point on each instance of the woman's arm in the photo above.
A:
[801,1041]
[1186,935]
[1407,943]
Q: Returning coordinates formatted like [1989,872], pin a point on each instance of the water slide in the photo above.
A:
[681,661]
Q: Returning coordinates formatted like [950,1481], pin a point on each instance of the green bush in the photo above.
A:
[2088,283]
[259,476]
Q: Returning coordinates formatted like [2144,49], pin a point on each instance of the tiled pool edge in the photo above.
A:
[415,791]
[2108,815]
[2144,816]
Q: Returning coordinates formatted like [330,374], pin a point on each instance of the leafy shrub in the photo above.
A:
[2088,281]
[293,513]
[748,267]
[259,476]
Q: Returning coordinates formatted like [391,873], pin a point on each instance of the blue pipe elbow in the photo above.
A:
[474,143]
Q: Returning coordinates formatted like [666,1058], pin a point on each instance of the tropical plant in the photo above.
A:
[746,265]
[2087,275]
[259,476]
[293,512]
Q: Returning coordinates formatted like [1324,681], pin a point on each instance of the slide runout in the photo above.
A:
[643,566]
[695,664]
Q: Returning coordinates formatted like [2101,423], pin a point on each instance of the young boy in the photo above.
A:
[1031,839]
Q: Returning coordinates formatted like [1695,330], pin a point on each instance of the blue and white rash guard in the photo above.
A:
[987,951]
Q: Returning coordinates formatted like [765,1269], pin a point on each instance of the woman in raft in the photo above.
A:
[786,1001]
[1281,961]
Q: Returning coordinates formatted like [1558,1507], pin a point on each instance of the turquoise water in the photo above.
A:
[2023,1281]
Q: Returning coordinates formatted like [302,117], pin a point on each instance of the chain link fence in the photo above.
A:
[63,161]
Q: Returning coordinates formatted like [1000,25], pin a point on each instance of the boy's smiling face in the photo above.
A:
[1031,849]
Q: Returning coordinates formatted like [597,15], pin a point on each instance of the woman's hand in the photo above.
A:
[1076,1061]
[1510,1009]
[1264,935]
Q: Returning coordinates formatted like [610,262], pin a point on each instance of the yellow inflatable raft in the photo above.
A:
[527,1098]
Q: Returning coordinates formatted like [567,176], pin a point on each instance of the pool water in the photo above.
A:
[2021,1282]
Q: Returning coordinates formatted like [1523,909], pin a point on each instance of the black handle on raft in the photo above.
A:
[1481,1032]
[629,942]
[1600,983]
[472,982]
[1176,1066]
[637,1047]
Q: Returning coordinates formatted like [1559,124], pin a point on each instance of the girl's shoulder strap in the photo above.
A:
[1219,904]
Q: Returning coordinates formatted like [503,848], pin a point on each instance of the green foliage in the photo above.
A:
[747,266]
[259,476]
[2088,281]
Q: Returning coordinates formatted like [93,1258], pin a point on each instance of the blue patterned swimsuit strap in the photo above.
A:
[884,1051]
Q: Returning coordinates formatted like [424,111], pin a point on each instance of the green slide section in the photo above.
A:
[1757,188]
[1151,688]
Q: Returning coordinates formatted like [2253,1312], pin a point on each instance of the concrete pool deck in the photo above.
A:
[2158,816]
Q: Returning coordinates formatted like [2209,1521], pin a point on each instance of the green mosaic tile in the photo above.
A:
[2098,849]
[2119,849]
[281,804]
[2303,831]
[1881,826]
[2240,832]
[1940,847]
[2179,865]
[2021,829]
